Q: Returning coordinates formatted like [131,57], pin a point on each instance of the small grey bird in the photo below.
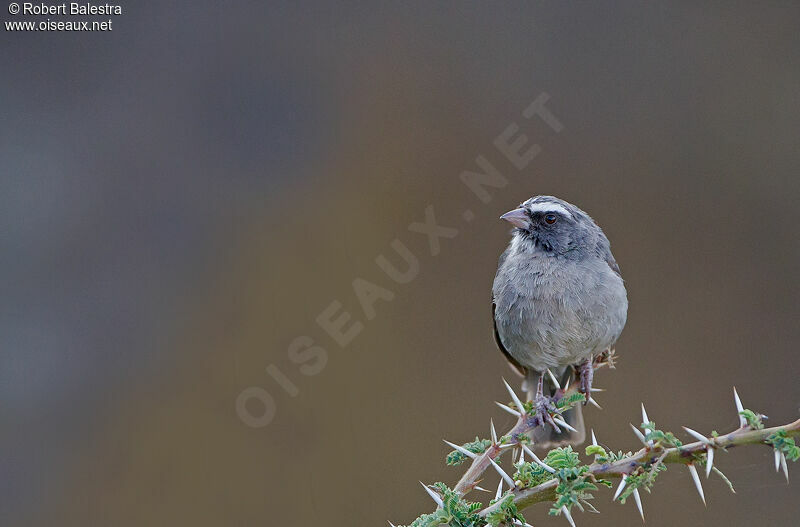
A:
[558,300]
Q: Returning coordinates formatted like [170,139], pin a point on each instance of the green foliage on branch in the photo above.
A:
[456,511]
[784,444]
[659,437]
[574,480]
[644,477]
[506,513]
[567,483]
[568,401]
[530,474]
[478,446]
[753,419]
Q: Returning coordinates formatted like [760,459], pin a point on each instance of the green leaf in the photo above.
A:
[595,450]
[753,419]
[659,437]
[568,401]
[562,458]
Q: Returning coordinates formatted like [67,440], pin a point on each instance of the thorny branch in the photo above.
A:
[565,484]
[685,454]
[525,423]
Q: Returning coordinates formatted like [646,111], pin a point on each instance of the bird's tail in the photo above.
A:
[546,437]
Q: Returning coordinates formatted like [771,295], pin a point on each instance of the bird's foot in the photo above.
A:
[606,358]
[586,375]
[544,407]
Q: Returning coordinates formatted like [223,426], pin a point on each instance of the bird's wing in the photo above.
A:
[604,249]
[517,366]
[612,263]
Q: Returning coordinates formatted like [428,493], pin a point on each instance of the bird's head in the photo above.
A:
[551,225]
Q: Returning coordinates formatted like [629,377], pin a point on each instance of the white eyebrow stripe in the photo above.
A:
[549,207]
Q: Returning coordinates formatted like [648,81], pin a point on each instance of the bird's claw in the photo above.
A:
[543,407]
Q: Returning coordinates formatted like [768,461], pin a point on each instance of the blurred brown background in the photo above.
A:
[181,197]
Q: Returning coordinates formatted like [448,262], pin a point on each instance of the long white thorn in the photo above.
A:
[646,419]
[698,486]
[390,523]
[517,522]
[538,461]
[508,409]
[709,460]
[432,494]
[553,379]
[522,455]
[739,408]
[493,432]
[777,460]
[457,448]
[597,390]
[566,384]
[514,398]
[784,467]
[594,439]
[563,423]
[499,490]
[621,487]
[638,500]
[639,434]
[594,403]
[566,513]
[697,435]
[502,473]
[481,489]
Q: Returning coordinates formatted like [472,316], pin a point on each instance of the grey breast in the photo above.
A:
[553,312]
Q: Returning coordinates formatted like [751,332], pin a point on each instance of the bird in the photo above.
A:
[558,301]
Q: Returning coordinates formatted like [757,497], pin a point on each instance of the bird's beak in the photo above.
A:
[517,217]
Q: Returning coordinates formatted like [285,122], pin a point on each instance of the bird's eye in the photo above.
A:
[550,218]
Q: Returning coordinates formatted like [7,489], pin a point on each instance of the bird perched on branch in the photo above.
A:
[558,301]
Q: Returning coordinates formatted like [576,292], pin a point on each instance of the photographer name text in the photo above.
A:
[73,8]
